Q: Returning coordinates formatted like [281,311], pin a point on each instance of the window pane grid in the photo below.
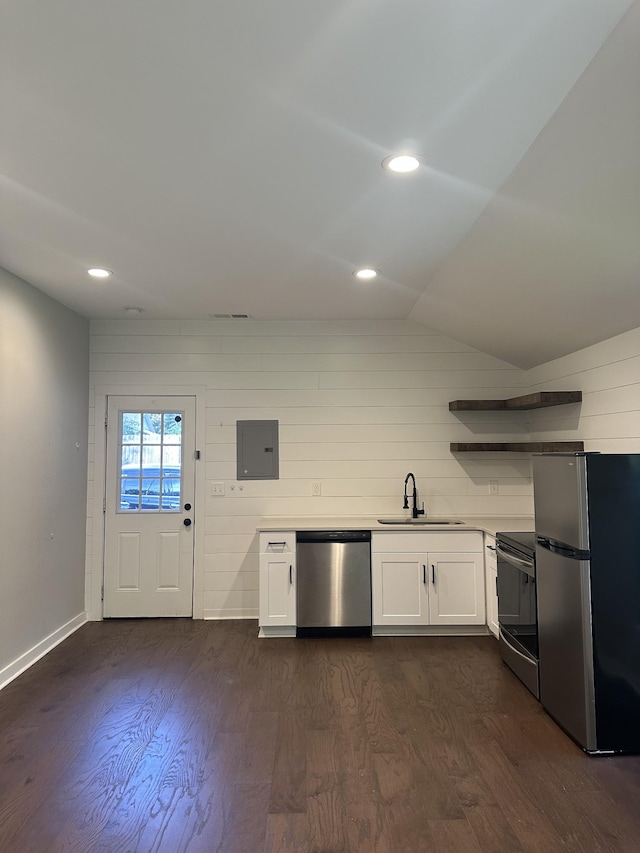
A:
[150,461]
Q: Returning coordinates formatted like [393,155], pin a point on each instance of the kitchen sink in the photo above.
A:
[419,521]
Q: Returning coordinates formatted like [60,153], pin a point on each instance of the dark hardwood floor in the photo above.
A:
[173,735]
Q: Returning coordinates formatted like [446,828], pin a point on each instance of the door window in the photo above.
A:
[150,452]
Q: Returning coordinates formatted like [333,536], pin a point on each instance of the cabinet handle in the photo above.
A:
[433,574]
[290,574]
[282,544]
[496,584]
[491,547]
[424,573]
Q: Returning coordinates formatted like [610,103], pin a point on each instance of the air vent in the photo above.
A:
[230,316]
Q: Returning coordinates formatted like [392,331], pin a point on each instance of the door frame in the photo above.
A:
[96,522]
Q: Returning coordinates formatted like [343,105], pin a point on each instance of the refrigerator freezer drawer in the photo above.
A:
[559,496]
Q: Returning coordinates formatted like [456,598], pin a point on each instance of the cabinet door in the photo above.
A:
[400,589]
[278,582]
[491,580]
[456,589]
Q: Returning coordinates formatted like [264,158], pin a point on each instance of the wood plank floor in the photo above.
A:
[174,735]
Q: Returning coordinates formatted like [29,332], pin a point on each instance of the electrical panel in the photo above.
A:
[257,450]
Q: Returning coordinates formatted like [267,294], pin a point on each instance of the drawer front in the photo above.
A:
[278,542]
[490,551]
[420,541]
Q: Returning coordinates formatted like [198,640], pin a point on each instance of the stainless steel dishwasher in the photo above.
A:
[333,583]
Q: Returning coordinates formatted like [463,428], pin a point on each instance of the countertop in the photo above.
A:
[487,524]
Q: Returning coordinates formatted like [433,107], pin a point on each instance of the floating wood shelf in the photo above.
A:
[517,446]
[539,400]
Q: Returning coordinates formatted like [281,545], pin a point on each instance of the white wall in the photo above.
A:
[608,374]
[43,470]
[359,404]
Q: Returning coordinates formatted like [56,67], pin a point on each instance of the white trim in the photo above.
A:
[430,631]
[19,665]
[269,631]
[101,393]
[227,613]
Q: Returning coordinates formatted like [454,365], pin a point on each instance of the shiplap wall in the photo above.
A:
[359,405]
[608,374]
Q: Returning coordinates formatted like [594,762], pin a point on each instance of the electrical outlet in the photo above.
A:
[217,488]
[493,487]
[316,489]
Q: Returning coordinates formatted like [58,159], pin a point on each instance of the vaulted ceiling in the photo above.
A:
[225,157]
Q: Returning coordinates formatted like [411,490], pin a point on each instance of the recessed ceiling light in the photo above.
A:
[402,163]
[98,272]
[366,273]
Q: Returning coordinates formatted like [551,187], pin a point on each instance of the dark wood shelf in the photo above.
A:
[517,446]
[539,400]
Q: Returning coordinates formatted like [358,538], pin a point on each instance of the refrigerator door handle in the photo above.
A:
[562,549]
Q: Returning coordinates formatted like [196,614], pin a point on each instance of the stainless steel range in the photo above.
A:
[517,606]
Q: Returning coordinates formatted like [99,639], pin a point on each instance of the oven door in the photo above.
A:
[517,614]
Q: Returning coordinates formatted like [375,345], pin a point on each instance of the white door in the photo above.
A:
[149,499]
[400,589]
[456,596]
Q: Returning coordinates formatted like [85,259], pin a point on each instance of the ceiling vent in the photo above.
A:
[231,316]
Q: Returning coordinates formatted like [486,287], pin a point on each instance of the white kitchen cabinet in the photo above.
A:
[456,591]
[491,580]
[399,589]
[427,580]
[277,584]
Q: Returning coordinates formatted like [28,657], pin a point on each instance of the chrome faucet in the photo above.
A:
[415,512]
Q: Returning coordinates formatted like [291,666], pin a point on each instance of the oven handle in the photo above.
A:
[505,640]
[518,562]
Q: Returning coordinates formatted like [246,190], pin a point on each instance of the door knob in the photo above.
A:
[187,522]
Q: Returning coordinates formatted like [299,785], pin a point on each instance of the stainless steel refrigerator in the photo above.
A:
[587,519]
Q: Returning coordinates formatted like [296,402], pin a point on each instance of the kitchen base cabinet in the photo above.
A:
[399,589]
[428,583]
[491,577]
[277,613]
[456,593]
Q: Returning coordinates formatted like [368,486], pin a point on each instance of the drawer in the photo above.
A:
[278,542]
[490,558]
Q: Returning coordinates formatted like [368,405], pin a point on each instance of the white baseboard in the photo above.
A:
[19,665]
[211,613]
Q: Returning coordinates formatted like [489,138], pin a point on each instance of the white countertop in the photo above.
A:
[488,524]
